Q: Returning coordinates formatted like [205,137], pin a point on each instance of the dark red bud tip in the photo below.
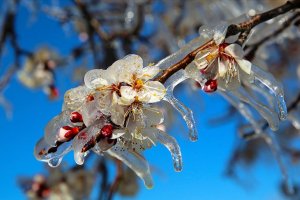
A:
[90,98]
[76,117]
[203,71]
[71,131]
[53,94]
[223,46]
[210,86]
[107,130]
[197,84]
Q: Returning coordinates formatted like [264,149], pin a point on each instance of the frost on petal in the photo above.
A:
[169,142]
[155,90]
[96,78]
[75,97]
[148,72]
[128,95]
[53,128]
[134,161]
[51,154]
[86,140]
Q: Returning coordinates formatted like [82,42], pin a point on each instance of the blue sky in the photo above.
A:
[204,161]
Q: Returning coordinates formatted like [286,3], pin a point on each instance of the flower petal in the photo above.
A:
[235,50]
[131,64]
[155,90]
[118,133]
[75,97]
[152,116]
[128,95]
[222,68]
[148,72]
[96,78]
[245,65]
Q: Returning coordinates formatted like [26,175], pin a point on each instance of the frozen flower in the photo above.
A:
[128,80]
[38,71]
[221,64]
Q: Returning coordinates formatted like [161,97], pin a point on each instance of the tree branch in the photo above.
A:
[232,30]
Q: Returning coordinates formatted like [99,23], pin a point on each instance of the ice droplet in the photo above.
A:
[55,162]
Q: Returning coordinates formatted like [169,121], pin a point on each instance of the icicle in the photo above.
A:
[271,141]
[274,86]
[264,111]
[51,154]
[243,109]
[185,112]
[171,144]
[134,161]
[260,90]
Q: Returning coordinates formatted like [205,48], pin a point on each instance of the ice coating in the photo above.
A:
[52,129]
[243,109]
[265,112]
[74,98]
[206,34]
[185,112]
[274,86]
[90,112]
[86,138]
[171,144]
[134,161]
[51,154]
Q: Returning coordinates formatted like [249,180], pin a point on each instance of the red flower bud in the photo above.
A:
[210,86]
[76,117]
[107,130]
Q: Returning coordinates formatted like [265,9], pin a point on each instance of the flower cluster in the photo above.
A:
[115,112]
[72,184]
[38,71]
[220,65]
[112,113]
